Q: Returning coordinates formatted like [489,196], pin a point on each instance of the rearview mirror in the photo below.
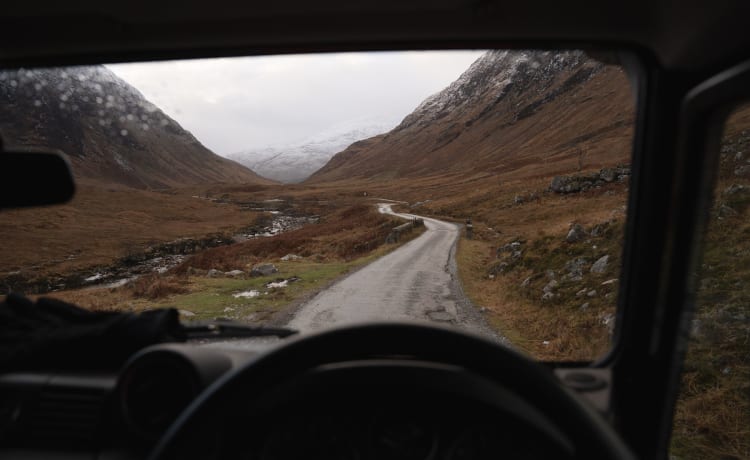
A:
[34,178]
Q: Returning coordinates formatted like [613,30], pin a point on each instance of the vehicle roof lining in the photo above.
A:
[681,35]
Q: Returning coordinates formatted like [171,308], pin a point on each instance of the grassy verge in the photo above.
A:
[544,297]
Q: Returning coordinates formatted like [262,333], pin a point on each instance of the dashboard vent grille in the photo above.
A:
[62,416]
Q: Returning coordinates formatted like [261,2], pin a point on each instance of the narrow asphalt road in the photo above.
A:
[415,282]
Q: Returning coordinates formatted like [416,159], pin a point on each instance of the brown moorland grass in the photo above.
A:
[712,415]
[105,222]
[343,234]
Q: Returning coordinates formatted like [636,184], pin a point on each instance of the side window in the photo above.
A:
[712,417]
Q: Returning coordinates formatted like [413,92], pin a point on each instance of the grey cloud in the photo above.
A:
[233,104]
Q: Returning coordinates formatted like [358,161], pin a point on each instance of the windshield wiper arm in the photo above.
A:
[234,330]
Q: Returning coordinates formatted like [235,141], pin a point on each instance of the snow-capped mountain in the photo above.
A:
[109,131]
[509,109]
[296,162]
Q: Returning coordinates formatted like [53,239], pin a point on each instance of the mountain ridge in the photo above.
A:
[507,111]
[109,131]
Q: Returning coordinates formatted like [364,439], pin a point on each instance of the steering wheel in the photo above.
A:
[428,354]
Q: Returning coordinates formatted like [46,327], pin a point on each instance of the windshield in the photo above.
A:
[479,189]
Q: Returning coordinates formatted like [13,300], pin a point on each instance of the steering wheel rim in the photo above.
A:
[591,435]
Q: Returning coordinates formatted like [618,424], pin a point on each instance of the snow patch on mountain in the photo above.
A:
[495,72]
[295,162]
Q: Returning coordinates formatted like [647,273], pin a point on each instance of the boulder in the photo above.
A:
[733,189]
[235,273]
[608,174]
[549,287]
[289,257]
[599,229]
[742,171]
[214,273]
[600,266]
[192,271]
[726,211]
[558,184]
[263,270]
[576,233]
[575,266]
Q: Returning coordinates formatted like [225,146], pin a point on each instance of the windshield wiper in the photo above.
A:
[225,330]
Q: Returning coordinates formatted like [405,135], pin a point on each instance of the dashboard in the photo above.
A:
[381,406]
[106,414]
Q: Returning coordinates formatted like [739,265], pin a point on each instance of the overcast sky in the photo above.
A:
[236,104]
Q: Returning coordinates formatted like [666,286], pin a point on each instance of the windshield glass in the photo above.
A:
[479,189]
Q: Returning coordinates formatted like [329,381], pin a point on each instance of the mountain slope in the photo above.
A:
[296,162]
[536,113]
[109,131]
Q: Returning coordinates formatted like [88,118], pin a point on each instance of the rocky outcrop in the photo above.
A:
[582,182]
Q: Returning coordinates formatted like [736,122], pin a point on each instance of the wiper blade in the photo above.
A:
[224,330]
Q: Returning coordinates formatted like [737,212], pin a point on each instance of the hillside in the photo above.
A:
[109,131]
[296,162]
[533,113]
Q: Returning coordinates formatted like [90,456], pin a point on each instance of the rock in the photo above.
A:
[591,293]
[584,307]
[582,292]
[726,211]
[213,273]
[513,248]
[696,329]
[610,282]
[742,171]
[192,271]
[733,189]
[548,296]
[186,313]
[551,274]
[576,233]
[550,286]
[289,257]
[575,266]
[264,270]
[600,266]
[526,282]
[499,268]
[600,229]
[235,273]
[608,320]
[608,174]
[558,183]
